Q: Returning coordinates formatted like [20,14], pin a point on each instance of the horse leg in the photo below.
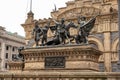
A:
[77,40]
[67,36]
[85,40]
[63,40]
[72,38]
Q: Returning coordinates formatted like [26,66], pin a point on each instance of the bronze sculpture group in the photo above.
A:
[62,32]
[38,32]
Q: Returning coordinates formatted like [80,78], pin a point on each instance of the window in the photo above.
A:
[6,56]
[7,47]
[6,65]
[14,56]
[94,45]
[13,49]
[101,67]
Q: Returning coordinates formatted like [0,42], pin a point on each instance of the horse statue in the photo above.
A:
[67,28]
[54,41]
[65,34]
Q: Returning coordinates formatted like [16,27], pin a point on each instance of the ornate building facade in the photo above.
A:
[104,35]
[9,44]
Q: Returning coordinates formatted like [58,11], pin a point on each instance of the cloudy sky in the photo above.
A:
[14,12]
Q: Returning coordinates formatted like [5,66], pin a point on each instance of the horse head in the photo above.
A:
[70,24]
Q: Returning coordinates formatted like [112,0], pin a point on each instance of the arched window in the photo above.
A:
[101,64]
[114,58]
[94,45]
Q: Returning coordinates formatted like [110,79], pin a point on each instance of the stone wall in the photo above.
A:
[59,76]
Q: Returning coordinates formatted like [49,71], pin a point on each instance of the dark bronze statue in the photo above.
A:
[84,29]
[37,32]
[44,33]
[40,33]
[54,41]
[21,56]
[81,36]
[18,57]
[67,29]
[62,32]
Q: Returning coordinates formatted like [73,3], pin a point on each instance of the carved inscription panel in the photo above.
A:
[55,62]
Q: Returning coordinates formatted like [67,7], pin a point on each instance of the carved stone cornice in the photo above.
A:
[74,54]
[76,11]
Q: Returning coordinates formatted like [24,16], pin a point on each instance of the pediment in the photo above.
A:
[75,12]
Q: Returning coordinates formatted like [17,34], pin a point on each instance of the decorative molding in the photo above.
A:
[74,54]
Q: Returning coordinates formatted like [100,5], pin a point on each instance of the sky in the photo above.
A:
[13,13]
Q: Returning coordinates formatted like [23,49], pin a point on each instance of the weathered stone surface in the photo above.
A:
[77,57]
[50,75]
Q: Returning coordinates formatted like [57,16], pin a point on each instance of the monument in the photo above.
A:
[62,56]
[57,54]
[104,35]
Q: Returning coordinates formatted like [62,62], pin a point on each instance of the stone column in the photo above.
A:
[107,49]
[3,56]
[10,53]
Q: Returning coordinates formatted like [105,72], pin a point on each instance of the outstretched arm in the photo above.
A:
[56,22]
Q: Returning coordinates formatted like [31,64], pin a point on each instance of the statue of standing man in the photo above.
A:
[44,32]
[60,30]
[37,33]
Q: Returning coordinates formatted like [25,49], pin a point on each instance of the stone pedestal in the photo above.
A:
[62,58]
[73,62]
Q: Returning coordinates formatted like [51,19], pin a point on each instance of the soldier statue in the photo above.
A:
[37,33]
[60,30]
[44,33]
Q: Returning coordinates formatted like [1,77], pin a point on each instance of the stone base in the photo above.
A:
[50,75]
[67,58]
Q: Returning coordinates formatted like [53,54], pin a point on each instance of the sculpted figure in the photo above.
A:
[37,33]
[21,56]
[84,29]
[60,30]
[18,57]
[61,33]
[44,33]
[82,36]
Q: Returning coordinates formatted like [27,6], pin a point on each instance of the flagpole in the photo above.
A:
[55,7]
[30,5]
